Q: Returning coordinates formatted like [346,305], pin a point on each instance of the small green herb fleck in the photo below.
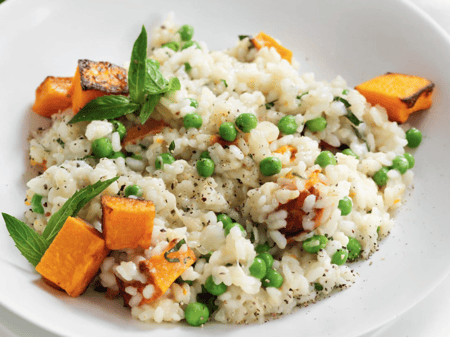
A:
[270,105]
[345,92]
[175,248]
[352,118]
[300,96]
[224,83]
[241,37]
[172,147]
[187,67]
[36,204]
[60,142]
[343,100]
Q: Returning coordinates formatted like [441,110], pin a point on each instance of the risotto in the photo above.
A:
[270,177]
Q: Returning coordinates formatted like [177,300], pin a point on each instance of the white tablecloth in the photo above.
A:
[431,317]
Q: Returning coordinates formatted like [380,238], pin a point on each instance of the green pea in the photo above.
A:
[205,154]
[186,32]
[340,257]
[316,124]
[205,167]
[401,164]
[116,155]
[258,268]
[315,243]
[196,314]
[287,125]
[234,224]
[345,205]
[349,152]
[194,103]
[163,158]
[318,286]
[262,248]
[410,158]
[380,177]
[267,258]
[175,46]
[246,122]
[225,219]
[102,147]
[119,128]
[325,158]
[193,120]
[213,288]
[190,44]
[227,131]
[272,279]
[270,166]
[133,190]
[414,137]
[36,204]
[354,248]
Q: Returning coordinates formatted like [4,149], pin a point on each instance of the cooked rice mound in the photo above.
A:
[187,204]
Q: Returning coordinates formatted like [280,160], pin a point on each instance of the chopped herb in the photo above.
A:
[60,142]
[176,248]
[241,37]
[136,156]
[297,175]
[360,136]
[143,147]
[270,105]
[179,280]
[187,67]
[206,256]
[172,147]
[318,286]
[224,83]
[343,100]
[345,92]
[352,118]
[36,204]
[300,96]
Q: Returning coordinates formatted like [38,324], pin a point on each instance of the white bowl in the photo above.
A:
[355,39]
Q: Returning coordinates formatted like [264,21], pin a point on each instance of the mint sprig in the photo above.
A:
[32,245]
[146,85]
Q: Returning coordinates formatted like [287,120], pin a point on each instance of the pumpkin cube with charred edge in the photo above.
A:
[161,271]
[399,94]
[53,96]
[137,132]
[126,222]
[95,79]
[74,257]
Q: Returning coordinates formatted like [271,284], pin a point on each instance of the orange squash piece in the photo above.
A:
[137,132]
[126,222]
[263,40]
[95,79]
[293,207]
[290,148]
[74,257]
[400,94]
[53,96]
[161,271]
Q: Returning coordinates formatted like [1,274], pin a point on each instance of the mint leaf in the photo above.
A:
[174,85]
[72,206]
[30,244]
[148,107]
[105,107]
[137,70]
[155,82]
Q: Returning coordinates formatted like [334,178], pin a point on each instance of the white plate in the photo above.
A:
[356,39]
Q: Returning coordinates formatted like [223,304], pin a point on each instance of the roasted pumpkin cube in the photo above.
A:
[399,94]
[53,96]
[163,269]
[126,222]
[95,79]
[74,257]
[263,40]
[137,132]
